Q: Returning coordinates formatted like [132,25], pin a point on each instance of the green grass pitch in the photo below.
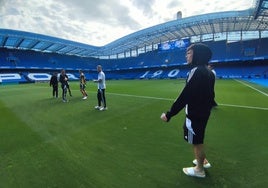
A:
[47,143]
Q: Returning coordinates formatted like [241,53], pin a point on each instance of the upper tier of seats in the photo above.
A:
[222,52]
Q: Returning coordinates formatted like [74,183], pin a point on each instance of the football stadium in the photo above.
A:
[46,142]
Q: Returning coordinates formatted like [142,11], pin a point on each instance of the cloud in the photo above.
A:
[144,6]
[100,22]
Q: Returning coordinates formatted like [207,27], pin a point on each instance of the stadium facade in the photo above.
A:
[238,39]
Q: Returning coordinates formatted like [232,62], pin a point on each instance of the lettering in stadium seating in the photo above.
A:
[144,75]
[157,73]
[9,76]
[46,77]
[173,73]
[16,77]
[39,76]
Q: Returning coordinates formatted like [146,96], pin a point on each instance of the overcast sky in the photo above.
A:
[99,22]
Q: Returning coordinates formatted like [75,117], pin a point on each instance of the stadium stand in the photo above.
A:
[229,59]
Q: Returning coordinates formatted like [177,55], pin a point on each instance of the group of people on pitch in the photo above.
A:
[63,79]
[197,97]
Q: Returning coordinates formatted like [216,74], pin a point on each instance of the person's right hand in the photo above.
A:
[163,117]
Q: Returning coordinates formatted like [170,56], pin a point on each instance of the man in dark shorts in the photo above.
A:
[197,98]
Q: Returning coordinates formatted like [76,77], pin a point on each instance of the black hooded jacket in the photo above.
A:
[198,94]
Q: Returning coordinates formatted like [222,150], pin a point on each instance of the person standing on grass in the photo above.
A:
[83,84]
[197,97]
[101,90]
[64,85]
[54,83]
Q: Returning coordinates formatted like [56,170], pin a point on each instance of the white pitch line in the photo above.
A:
[252,87]
[167,99]
[140,96]
[241,106]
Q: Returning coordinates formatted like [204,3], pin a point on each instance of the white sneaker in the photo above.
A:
[97,107]
[102,108]
[85,97]
[190,171]
[205,165]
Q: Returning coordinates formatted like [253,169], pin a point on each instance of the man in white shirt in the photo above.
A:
[101,89]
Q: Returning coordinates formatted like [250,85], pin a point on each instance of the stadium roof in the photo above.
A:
[253,19]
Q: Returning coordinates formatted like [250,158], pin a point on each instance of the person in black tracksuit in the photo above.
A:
[64,85]
[54,83]
[197,97]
